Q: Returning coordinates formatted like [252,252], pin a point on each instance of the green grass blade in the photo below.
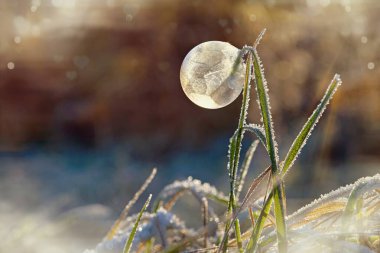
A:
[252,244]
[292,154]
[217,199]
[263,100]
[129,242]
[124,213]
[245,167]
[235,147]
[236,140]
[304,134]
[278,194]
[244,203]
[231,155]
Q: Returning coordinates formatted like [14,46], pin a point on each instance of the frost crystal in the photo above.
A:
[151,225]
[194,186]
[322,225]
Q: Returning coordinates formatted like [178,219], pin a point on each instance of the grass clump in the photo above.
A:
[346,219]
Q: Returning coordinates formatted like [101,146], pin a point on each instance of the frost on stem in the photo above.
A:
[312,121]
[126,209]
[341,195]
[264,104]
[199,190]
[321,226]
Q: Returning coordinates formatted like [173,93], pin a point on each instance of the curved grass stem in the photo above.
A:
[278,193]
[234,156]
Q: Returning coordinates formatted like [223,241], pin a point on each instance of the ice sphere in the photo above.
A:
[206,74]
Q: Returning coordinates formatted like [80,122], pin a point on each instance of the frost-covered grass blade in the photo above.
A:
[244,168]
[129,242]
[306,130]
[278,194]
[124,213]
[252,244]
[358,190]
[258,131]
[234,151]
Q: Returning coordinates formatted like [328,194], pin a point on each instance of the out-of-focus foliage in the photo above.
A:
[96,72]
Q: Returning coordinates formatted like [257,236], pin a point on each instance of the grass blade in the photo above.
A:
[292,155]
[244,204]
[362,186]
[128,244]
[258,131]
[235,144]
[235,147]
[278,194]
[305,132]
[126,209]
[245,166]
[252,244]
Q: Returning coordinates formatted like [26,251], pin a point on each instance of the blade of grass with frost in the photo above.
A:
[304,134]
[129,242]
[252,244]
[245,166]
[234,151]
[244,204]
[172,192]
[361,187]
[296,148]
[258,131]
[126,209]
[278,194]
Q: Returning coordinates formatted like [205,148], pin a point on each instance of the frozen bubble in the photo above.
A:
[206,74]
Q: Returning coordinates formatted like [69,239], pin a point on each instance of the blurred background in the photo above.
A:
[90,102]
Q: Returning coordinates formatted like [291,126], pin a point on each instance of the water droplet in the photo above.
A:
[364,39]
[206,75]
[11,65]
[371,65]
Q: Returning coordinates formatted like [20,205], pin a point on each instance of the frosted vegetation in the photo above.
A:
[344,220]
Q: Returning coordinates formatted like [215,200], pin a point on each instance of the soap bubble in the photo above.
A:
[207,75]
